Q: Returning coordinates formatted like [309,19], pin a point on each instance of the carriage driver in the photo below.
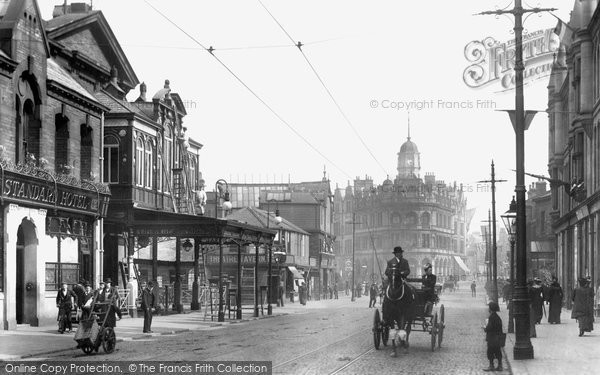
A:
[428,281]
[399,263]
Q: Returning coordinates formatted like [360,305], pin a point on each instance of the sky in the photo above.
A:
[376,58]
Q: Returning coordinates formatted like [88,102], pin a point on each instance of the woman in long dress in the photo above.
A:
[583,307]
[555,297]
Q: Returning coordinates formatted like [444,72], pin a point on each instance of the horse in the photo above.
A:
[398,310]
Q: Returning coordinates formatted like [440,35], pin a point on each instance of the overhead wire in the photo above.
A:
[299,45]
[254,93]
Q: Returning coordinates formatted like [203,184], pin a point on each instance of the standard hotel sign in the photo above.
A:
[493,61]
[20,189]
[233,259]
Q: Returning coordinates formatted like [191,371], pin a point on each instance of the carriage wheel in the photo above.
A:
[109,340]
[385,335]
[87,348]
[434,325]
[377,329]
[441,327]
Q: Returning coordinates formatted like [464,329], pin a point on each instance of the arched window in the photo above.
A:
[111,159]
[425,219]
[30,132]
[139,162]
[87,142]
[159,165]
[61,145]
[168,158]
[193,179]
[148,164]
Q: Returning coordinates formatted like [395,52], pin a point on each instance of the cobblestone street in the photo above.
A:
[331,336]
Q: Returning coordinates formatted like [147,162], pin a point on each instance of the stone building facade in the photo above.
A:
[428,218]
[574,148]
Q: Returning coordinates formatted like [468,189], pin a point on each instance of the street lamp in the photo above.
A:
[510,222]
[278,220]
[187,245]
[226,207]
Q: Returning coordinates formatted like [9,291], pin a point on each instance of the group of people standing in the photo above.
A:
[82,299]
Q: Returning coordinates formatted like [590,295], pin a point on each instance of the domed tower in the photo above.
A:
[409,160]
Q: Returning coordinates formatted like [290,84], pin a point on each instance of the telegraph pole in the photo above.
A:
[522,348]
[353,222]
[494,245]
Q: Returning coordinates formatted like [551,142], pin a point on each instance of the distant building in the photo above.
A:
[308,205]
[428,218]
[541,244]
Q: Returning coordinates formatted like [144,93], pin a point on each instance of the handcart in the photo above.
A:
[93,331]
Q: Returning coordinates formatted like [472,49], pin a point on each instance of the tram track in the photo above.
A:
[320,348]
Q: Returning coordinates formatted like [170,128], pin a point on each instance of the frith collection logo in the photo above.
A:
[493,62]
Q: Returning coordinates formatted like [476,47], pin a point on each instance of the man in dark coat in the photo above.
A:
[493,333]
[428,286]
[109,297]
[398,263]
[148,304]
[473,289]
[583,307]
[555,297]
[65,300]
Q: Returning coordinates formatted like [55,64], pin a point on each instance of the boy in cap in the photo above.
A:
[493,336]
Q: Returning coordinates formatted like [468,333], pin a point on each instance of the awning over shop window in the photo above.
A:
[461,264]
[295,272]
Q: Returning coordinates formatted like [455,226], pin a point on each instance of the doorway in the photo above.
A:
[20,292]
[26,274]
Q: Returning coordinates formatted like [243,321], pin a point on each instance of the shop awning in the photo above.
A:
[461,264]
[295,272]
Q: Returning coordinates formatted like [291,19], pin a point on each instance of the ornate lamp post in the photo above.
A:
[278,219]
[226,207]
[510,222]
[522,348]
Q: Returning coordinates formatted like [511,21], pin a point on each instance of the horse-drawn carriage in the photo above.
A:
[404,309]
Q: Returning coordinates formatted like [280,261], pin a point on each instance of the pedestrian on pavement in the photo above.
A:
[65,300]
[474,289]
[330,292]
[494,337]
[109,299]
[583,307]
[280,294]
[335,291]
[79,291]
[148,304]
[88,301]
[506,289]
[536,296]
[347,287]
[373,295]
[555,297]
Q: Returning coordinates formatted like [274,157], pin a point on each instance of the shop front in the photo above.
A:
[49,232]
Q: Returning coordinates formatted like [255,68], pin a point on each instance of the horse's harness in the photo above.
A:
[387,292]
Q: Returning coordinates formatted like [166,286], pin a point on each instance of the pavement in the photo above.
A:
[27,342]
[557,349]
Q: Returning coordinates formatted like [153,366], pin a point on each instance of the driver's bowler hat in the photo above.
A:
[398,249]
